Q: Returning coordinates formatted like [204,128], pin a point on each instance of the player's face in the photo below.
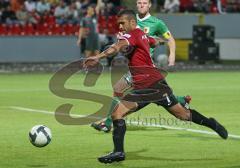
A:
[124,24]
[90,11]
[143,6]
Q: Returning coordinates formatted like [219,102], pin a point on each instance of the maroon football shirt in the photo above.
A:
[141,66]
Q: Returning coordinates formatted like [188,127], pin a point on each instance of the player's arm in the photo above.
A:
[163,30]
[155,41]
[112,50]
[172,48]
[80,36]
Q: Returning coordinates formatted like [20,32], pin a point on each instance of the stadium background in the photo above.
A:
[49,41]
[25,99]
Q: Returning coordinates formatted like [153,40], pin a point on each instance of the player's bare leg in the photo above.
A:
[194,116]
[119,88]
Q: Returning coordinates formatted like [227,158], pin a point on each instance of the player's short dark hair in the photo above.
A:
[130,13]
[150,1]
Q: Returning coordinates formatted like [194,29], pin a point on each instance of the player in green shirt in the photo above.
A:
[155,27]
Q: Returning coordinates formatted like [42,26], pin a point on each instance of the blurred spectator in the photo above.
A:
[30,5]
[186,6]
[106,8]
[78,4]
[84,6]
[22,15]
[4,3]
[171,6]
[68,2]
[42,7]
[202,6]
[16,5]
[61,13]
[53,3]
[8,16]
[72,14]
[38,12]
[233,6]
[25,17]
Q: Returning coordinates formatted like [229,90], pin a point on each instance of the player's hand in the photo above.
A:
[119,34]
[90,62]
[171,60]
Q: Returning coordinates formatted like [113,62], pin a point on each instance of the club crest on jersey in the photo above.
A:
[144,37]
[146,30]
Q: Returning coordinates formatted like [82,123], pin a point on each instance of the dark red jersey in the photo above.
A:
[141,66]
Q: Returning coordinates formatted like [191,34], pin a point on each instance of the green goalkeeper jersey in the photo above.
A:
[153,27]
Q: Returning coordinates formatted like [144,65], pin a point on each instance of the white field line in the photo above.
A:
[46,112]
[131,123]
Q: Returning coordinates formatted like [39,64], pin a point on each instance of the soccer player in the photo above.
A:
[88,31]
[154,27]
[146,77]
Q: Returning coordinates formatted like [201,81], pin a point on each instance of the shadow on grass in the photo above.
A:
[136,155]
[142,128]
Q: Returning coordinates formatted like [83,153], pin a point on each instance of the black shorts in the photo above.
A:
[159,93]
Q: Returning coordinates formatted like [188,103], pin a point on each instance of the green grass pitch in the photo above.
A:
[215,94]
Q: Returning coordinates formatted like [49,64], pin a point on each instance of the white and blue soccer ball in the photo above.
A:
[40,135]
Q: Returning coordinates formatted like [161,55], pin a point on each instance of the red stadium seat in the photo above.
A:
[76,29]
[3,29]
[68,29]
[56,29]
[43,29]
[15,29]
[28,29]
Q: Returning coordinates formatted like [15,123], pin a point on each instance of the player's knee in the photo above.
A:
[117,94]
[117,89]
[116,115]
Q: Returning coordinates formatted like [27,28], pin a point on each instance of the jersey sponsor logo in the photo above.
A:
[146,30]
